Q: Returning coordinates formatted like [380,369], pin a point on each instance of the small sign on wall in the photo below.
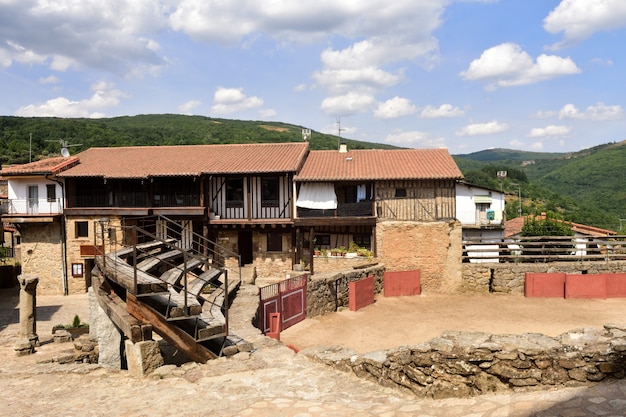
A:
[77,270]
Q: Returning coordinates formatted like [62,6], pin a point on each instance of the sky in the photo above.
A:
[468,75]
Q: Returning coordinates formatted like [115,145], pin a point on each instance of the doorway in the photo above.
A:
[244,240]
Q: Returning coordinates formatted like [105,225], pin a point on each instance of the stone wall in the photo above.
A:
[328,292]
[461,364]
[483,278]
[432,247]
[42,255]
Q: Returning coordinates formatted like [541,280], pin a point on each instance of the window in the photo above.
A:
[77,270]
[51,193]
[482,207]
[350,191]
[82,229]
[322,240]
[234,193]
[274,242]
[400,192]
[269,192]
[364,241]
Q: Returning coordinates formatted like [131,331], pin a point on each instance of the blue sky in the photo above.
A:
[463,74]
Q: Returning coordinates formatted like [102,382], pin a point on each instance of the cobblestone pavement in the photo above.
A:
[270,381]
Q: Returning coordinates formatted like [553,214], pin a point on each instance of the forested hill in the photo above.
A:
[587,187]
[145,130]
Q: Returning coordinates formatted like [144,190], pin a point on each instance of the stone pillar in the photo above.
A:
[143,357]
[28,338]
[109,337]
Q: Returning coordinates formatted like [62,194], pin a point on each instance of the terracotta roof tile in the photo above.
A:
[189,160]
[42,167]
[514,227]
[379,164]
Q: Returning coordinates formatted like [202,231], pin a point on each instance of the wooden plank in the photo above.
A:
[174,275]
[196,286]
[149,263]
[175,335]
[172,305]
[115,308]
[121,273]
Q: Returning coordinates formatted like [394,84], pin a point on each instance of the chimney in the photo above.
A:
[343,148]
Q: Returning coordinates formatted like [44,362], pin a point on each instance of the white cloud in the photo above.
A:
[515,143]
[599,112]
[186,108]
[545,114]
[488,128]
[536,146]
[507,65]
[348,104]
[394,108]
[551,130]
[104,96]
[51,79]
[231,100]
[231,22]
[445,110]
[300,87]
[415,139]
[267,113]
[111,36]
[601,62]
[579,19]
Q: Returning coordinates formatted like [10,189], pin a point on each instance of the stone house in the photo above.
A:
[269,203]
[35,208]
[399,204]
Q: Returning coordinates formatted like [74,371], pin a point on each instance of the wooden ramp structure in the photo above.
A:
[174,284]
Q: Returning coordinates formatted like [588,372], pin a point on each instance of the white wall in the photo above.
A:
[466,204]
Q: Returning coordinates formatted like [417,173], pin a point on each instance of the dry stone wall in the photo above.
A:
[508,278]
[462,364]
[328,292]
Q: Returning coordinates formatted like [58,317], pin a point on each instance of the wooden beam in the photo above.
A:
[176,336]
[115,308]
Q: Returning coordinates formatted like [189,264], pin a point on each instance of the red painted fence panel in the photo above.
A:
[361,293]
[544,284]
[616,285]
[585,286]
[399,283]
[288,298]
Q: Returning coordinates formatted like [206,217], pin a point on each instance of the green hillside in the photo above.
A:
[586,187]
[144,130]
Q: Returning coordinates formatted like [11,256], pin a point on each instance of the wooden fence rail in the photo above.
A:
[545,249]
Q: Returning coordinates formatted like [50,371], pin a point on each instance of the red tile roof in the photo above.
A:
[379,164]
[514,227]
[189,160]
[42,167]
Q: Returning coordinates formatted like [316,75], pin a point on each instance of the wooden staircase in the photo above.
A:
[182,294]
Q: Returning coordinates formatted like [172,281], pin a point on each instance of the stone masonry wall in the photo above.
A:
[327,292]
[432,247]
[483,278]
[462,364]
[42,256]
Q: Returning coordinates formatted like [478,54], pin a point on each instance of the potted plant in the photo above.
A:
[76,328]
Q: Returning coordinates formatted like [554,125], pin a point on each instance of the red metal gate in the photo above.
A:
[288,298]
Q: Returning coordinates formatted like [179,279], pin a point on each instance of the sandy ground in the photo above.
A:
[392,322]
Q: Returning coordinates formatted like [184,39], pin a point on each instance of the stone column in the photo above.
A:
[28,338]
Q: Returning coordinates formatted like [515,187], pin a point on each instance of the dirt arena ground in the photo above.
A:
[392,322]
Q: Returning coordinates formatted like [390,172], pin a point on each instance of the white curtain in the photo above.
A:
[317,195]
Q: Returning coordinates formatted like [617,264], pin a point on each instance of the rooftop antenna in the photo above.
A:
[306,134]
[339,130]
[65,144]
